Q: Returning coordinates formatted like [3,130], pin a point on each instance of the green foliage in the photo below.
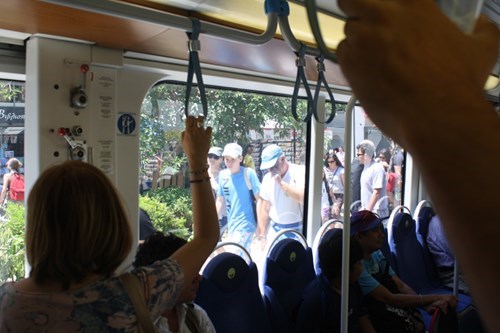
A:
[12,243]
[231,114]
[170,210]
[11,91]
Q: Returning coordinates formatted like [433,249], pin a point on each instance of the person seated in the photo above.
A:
[185,317]
[388,295]
[146,227]
[319,310]
[443,256]
[78,234]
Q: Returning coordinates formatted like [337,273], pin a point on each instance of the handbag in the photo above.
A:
[390,319]
[135,291]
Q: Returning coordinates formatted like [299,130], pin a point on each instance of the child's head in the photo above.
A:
[330,256]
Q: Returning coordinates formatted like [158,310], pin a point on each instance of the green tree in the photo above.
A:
[231,114]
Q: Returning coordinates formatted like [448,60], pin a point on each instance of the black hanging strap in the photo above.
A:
[301,77]
[195,68]
[322,82]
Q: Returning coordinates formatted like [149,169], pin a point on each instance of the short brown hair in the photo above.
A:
[14,164]
[76,225]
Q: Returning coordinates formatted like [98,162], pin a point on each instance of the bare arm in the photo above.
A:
[365,325]
[384,295]
[220,204]
[6,180]
[296,193]
[373,199]
[426,111]
[191,256]
[263,207]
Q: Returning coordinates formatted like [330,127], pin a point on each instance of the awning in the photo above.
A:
[13,130]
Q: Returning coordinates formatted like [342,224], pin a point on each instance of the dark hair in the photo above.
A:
[330,253]
[335,158]
[388,158]
[386,153]
[157,246]
[250,145]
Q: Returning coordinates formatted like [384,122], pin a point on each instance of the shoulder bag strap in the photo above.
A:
[247,181]
[136,293]
[327,188]
[191,320]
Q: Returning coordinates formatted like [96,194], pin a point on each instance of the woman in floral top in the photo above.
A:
[78,234]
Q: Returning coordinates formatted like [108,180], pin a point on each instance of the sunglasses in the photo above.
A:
[215,157]
[331,161]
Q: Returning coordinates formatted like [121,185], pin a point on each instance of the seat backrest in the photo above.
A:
[423,219]
[407,253]
[386,251]
[288,270]
[229,292]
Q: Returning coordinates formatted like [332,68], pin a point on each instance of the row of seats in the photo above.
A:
[230,293]
[407,252]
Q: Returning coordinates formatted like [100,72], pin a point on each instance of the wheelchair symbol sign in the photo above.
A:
[126,123]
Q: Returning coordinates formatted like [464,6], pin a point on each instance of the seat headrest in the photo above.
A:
[425,214]
[288,254]
[227,271]
[330,233]
[404,222]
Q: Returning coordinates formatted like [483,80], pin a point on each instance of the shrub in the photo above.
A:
[165,217]
[12,243]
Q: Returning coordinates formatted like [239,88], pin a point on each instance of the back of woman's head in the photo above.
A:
[76,225]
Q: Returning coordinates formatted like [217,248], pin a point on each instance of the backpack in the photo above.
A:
[16,187]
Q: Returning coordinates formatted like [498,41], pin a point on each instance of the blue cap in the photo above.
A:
[270,155]
[364,220]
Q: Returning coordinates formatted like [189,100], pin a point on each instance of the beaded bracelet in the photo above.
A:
[199,172]
[201,180]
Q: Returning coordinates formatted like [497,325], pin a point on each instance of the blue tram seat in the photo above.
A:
[229,293]
[411,266]
[288,270]
[386,251]
[407,254]
[422,216]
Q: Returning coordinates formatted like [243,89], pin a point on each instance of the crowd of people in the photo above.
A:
[376,181]
[74,210]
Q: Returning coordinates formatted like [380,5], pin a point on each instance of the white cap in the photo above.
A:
[217,151]
[233,150]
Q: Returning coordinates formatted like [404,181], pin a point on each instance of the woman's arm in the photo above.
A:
[196,142]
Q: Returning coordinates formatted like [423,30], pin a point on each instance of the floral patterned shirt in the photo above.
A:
[103,306]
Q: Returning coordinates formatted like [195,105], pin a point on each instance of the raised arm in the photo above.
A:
[420,79]
[196,142]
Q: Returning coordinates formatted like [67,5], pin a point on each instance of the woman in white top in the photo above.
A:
[335,176]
